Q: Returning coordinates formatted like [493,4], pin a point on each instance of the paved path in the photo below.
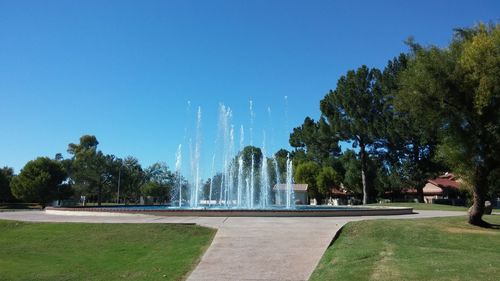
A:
[245,248]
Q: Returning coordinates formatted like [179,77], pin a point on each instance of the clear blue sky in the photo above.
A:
[125,70]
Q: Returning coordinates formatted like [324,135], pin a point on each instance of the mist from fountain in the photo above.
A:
[279,193]
[211,182]
[252,165]
[290,196]
[264,178]
[178,166]
[239,184]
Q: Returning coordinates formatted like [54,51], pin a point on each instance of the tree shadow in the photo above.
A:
[492,226]
[485,224]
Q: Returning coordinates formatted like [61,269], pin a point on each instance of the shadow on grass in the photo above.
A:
[485,224]
[492,226]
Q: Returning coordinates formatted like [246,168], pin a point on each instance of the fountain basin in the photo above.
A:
[299,211]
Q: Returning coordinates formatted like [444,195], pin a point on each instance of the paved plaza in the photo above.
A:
[244,248]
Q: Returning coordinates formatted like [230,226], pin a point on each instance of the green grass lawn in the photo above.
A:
[423,206]
[420,249]
[75,251]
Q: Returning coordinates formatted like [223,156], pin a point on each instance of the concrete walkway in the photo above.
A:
[245,248]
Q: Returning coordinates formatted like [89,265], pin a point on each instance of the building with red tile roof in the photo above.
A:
[443,187]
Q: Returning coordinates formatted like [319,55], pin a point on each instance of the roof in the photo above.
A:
[409,191]
[445,181]
[443,184]
[436,186]
[295,186]
[396,191]
[338,191]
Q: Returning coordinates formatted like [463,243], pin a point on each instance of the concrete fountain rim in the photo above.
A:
[311,211]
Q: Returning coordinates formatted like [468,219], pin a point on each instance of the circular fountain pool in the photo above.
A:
[213,211]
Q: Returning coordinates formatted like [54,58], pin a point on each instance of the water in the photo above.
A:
[264,178]
[240,179]
[290,198]
[178,166]
[236,181]
[202,207]
[279,195]
[211,182]
[252,182]
[196,181]
[252,165]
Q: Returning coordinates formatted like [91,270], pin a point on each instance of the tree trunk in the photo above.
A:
[479,196]
[420,182]
[420,195]
[99,195]
[319,201]
[364,168]
[420,191]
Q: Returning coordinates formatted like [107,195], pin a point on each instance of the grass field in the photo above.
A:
[73,251]
[423,206]
[423,249]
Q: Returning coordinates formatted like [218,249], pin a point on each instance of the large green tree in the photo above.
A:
[409,143]
[248,153]
[132,177]
[91,170]
[460,86]
[41,180]
[280,157]
[307,173]
[159,182]
[352,177]
[251,152]
[6,175]
[353,111]
[326,179]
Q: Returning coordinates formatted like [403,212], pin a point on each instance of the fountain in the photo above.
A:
[244,182]
[178,164]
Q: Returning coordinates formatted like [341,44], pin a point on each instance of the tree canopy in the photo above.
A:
[90,168]
[41,180]
[159,182]
[354,112]
[460,87]
[6,175]
[307,172]
[316,140]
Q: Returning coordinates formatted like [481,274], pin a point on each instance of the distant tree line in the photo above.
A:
[90,173]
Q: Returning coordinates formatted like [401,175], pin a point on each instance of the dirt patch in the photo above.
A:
[384,268]
[471,231]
